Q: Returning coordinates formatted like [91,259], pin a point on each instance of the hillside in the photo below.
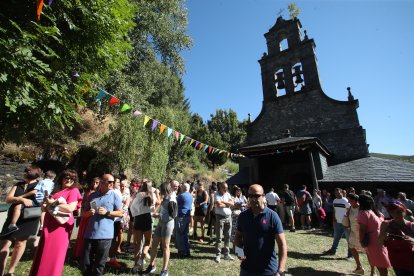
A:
[406,158]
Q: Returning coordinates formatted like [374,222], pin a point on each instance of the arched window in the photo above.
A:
[280,83]
[297,74]
[284,44]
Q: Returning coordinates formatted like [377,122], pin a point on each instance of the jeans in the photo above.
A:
[339,231]
[223,228]
[181,235]
[95,255]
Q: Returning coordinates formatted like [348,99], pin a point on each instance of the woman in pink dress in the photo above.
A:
[54,241]
[78,248]
[370,219]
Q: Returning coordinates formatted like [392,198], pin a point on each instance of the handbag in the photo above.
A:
[365,240]
[60,217]
[32,212]
[345,222]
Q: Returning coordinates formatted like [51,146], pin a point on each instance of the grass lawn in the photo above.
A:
[304,258]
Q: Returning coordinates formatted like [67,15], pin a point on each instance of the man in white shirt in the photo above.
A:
[223,202]
[340,205]
[272,199]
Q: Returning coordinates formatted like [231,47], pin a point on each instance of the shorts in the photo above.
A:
[164,229]
[305,210]
[143,222]
[200,212]
[290,210]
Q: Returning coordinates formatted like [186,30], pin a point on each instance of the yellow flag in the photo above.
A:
[146,119]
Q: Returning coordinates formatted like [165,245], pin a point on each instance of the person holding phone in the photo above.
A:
[100,230]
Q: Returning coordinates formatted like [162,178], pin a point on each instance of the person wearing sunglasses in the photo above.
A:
[101,208]
[54,240]
[257,230]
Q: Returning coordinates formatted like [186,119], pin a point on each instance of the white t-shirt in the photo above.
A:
[340,206]
[119,194]
[272,198]
[225,211]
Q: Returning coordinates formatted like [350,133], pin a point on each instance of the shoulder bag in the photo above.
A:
[31,212]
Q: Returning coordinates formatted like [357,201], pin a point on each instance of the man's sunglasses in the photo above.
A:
[254,195]
[110,181]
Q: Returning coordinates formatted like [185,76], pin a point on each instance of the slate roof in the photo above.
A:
[285,143]
[370,169]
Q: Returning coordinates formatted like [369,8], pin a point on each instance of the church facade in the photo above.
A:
[301,134]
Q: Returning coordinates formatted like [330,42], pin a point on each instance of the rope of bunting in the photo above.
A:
[180,137]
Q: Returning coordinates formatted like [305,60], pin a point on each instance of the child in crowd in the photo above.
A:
[39,192]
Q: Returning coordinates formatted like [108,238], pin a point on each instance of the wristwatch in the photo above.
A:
[282,273]
[107,213]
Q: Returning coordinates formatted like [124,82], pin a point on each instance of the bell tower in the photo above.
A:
[292,69]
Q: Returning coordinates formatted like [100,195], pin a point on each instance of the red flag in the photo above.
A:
[113,101]
[39,7]
[177,134]
[209,149]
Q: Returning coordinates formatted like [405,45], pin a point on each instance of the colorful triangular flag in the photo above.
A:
[137,113]
[196,144]
[176,134]
[102,93]
[228,154]
[210,148]
[181,137]
[205,148]
[125,107]
[169,131]
[113,101]
[201,146]
[154,124]
[146,120]
[39,7]
[191,142]
[162,128]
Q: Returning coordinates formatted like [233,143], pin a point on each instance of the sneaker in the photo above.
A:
[293,230]
[164,273]
[217,260]
[349,258]
[360,271]
[329,252]
[228,258]
[114,263]
[150,269]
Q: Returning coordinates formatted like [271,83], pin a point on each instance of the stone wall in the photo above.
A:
[313,114]
[10,172]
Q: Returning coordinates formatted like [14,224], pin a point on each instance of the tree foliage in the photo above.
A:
[38,98]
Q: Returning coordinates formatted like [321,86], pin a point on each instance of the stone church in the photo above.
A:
[302,136]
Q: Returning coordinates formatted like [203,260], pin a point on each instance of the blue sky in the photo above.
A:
[367,45]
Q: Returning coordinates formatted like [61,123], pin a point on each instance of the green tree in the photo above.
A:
[39,100]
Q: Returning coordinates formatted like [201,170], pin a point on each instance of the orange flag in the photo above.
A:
[162,128]
[201,146]
[39,7]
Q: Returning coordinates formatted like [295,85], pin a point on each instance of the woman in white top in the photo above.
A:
[141,209]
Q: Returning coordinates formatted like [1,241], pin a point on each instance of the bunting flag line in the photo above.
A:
[39,7]
[180,137]
[162,128]
[154,124]
[125,107]
[102,93]
[113,101]
[146,120]
[137,113]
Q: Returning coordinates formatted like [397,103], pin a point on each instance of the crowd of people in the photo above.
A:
[246,222]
